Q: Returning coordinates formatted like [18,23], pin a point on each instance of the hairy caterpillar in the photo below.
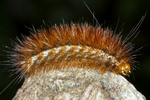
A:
[80,44]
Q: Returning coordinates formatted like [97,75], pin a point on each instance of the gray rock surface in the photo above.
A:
[77,84]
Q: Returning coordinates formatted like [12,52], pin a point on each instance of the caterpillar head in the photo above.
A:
[124,68]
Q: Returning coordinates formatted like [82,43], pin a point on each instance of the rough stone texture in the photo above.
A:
[77,84]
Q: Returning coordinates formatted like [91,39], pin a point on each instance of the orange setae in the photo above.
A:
[75,45]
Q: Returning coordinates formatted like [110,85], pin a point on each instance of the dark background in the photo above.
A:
[16,15]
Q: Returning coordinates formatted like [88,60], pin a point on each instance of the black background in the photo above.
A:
[16,15]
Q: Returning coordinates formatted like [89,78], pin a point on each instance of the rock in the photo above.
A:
[77,84]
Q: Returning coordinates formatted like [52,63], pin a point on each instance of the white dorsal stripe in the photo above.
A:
[64,51]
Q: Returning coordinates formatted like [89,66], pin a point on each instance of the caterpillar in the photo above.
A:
[74,45]
[80,45]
